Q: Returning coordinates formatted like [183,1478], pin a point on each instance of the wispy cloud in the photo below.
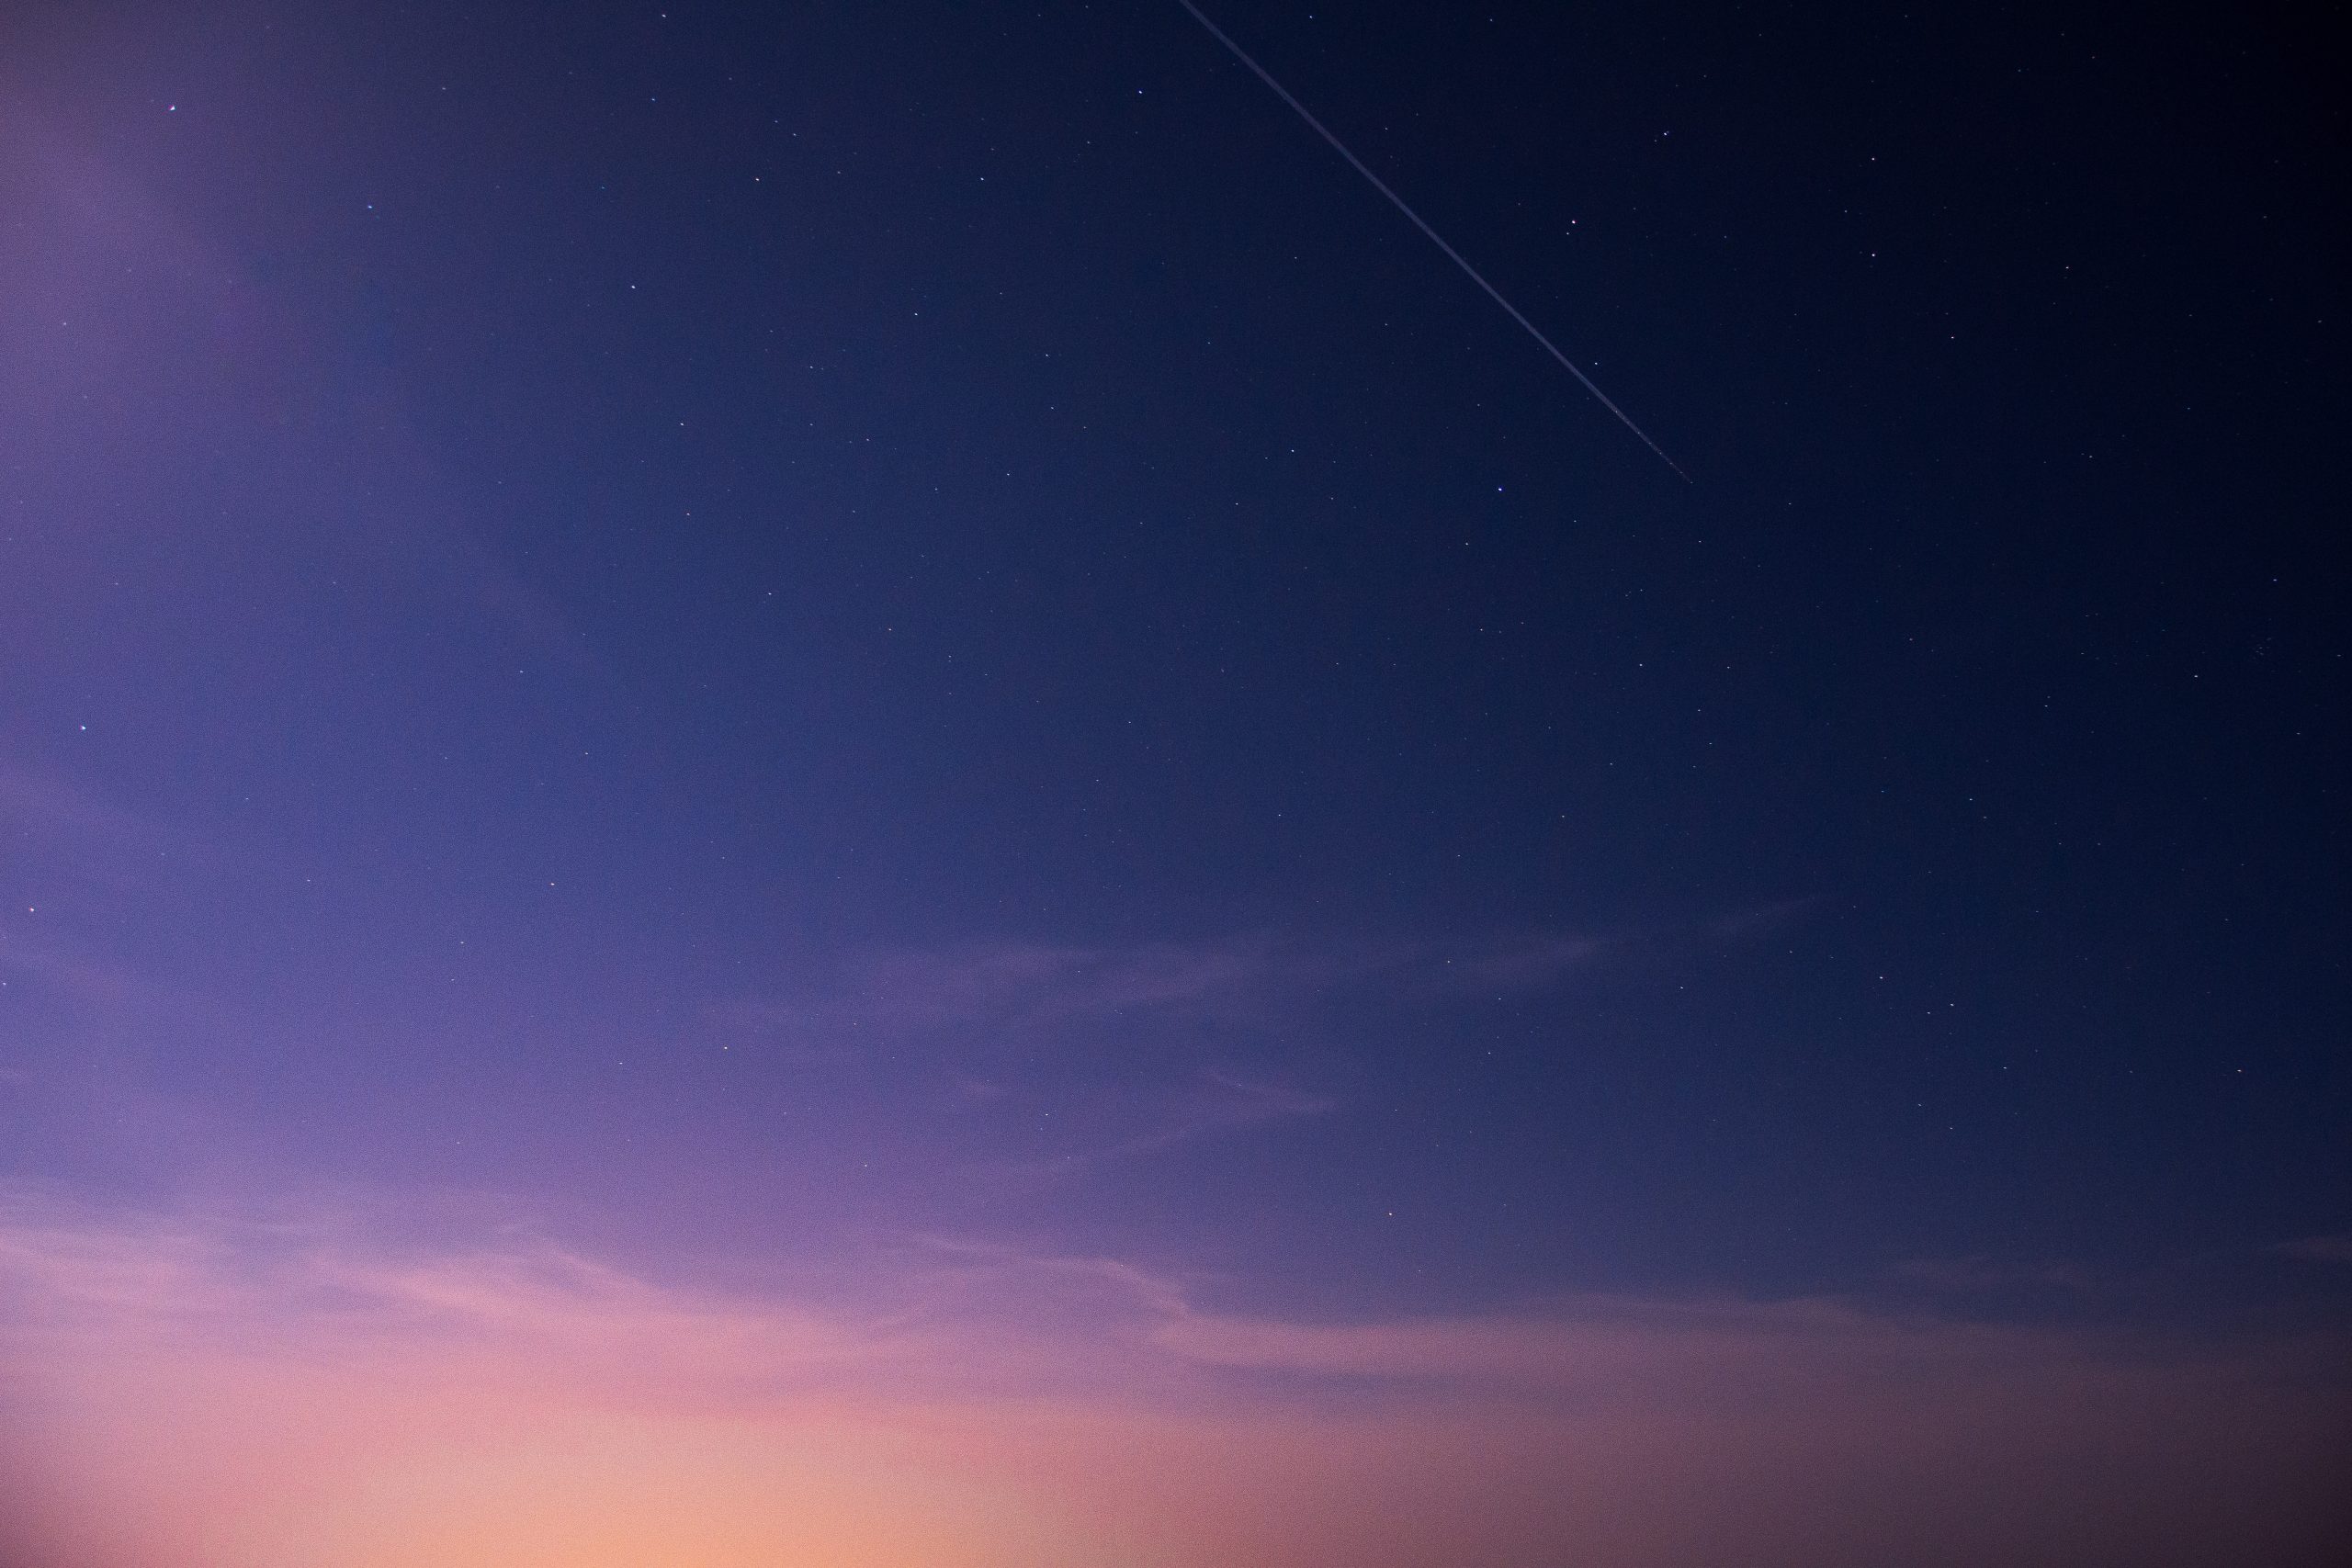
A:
[64,833]
[1036,990]
[1210,1104]
[1980,1274]
[2336,1248]
[1032,986]
[491,1399]
[79,865]
[138,297]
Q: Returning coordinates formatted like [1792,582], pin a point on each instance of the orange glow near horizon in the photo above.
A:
[208,1397]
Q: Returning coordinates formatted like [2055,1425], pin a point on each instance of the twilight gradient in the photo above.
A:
[856,787]
[267,1393]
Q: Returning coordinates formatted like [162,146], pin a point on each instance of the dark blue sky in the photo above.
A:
[854,622]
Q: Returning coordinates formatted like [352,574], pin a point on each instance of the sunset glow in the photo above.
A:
[873,787]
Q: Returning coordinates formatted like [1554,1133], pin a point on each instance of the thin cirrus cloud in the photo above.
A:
[1210,1104]
[2331,1249]
[93,881]
[1084,1057]
[1037,988]
[485,1398]
[118,291]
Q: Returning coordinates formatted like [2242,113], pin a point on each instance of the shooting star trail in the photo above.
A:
[1435,238]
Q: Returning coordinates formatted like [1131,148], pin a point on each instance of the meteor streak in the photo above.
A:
[1435,238]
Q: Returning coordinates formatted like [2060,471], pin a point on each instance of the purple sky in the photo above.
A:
[873,788]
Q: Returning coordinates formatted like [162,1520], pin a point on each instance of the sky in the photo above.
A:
[870,786]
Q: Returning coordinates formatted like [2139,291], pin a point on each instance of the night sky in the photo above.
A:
[870,786]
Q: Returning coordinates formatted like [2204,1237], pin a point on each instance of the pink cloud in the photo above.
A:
[210,1394]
